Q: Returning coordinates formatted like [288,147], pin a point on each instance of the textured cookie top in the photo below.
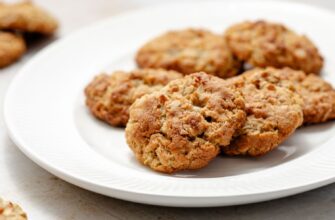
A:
[28,17]
[317,94]
[263,44]
[109,96]
[12,47]
[273,114]
[183,125]
[11,211]
[189,51]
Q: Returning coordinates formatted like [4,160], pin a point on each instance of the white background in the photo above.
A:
[44,196]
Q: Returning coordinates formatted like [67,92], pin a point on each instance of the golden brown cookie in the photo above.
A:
[189,51]
[26,17]
[11,211]
[109,96]
[183,125]
[273,114]
[12,47]
[317,94]
[263,44]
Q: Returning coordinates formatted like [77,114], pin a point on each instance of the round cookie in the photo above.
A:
[11,211]
[109,96]
[319,97]
[27,17]
[317,94]
[12,47]
[273,114]
[189,51]
[183,125]
[263,44]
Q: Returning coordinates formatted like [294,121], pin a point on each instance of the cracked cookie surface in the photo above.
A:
[317,94]
[183,125]
[109,96]
[264,44]
[189,51]
[273,114]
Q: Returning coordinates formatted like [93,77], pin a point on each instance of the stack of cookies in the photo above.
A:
[198,94]
[16,20]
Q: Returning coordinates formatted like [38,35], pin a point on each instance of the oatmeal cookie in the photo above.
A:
[11,211]
[317,94]
[12,47]
[189,51]
[183,125]
[109,96]
[27,17]
[263,44]
[273,114]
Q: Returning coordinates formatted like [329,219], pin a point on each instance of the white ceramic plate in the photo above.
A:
[47,118]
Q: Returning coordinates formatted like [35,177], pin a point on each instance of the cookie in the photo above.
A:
[189,51]
[27,17]
[12,47]
[264,44]
[273,114]
[317,94]
[11,211]
[183,125]
[109,96]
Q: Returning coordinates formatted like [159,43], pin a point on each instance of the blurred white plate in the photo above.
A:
[47,118]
